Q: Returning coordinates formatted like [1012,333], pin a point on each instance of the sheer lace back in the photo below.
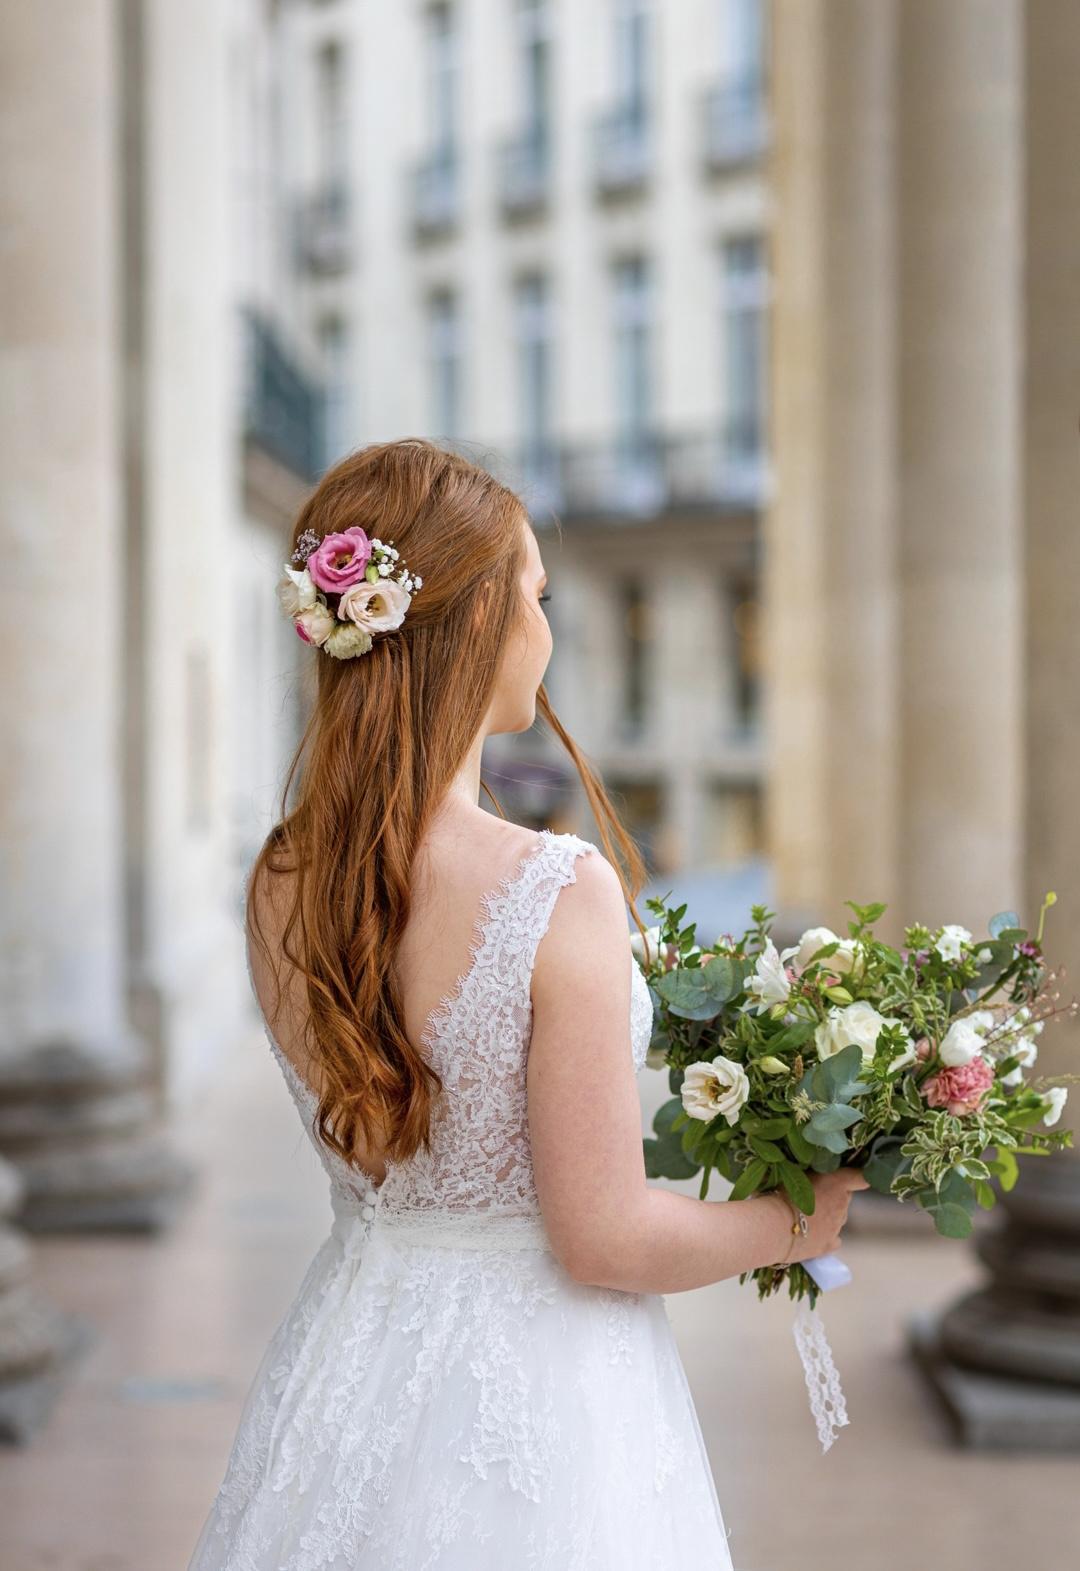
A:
[479,1162]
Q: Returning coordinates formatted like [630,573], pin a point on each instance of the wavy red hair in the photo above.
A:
[388,731]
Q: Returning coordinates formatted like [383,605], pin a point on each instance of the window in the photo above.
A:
[743,25]
[633,355]
[442,81]
[331,105]
[444,331]
[745,290]
[337,424]
[534,34]
[635,638]
[632,57]
[532,314]
[741,620]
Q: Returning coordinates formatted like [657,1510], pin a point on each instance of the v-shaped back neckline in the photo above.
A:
[442,1014]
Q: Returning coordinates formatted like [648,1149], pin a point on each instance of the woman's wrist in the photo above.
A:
[781,1255]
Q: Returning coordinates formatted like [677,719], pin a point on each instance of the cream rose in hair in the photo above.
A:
[375,607]
[347,640]
[316,624]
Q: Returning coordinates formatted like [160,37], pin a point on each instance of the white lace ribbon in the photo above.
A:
[822,1380]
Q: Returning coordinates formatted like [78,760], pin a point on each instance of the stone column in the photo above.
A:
[960,252]
[76,1092]
[830,534]
[1006,1358]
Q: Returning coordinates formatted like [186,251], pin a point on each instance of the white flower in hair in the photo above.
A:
[347,640]
[295,590]
[377,607]
[328,601]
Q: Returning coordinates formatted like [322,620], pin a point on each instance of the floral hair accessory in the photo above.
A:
[350,587]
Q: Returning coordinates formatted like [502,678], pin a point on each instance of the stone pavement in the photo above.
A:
[122,1475]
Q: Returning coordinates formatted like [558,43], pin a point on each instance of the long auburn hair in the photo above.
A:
[387,732]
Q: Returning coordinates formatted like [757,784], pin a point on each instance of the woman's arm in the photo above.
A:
[607,1226]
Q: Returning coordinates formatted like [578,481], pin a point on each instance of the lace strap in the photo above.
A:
[554,869]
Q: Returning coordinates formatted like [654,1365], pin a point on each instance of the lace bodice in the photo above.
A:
[477,1038]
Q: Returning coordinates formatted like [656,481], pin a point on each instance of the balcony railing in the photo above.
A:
[621,151]
[323,234]
[735,123]
[436,196]
[282,407]
[644,476]
[523,173]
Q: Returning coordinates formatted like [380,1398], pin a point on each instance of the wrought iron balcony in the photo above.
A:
[323,233]
[651,474]
[523,173]
[436,196]
[735,123]
[622,151]
[282,407]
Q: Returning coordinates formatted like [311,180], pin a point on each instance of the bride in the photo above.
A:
[477,1372]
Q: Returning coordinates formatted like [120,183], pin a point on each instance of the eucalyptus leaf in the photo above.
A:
[828,1120]
[830,1139]
[666,1159]
[951,1221]
[1004,919]
[697,992]
[665,1114]
[839,1075]
[886,1162]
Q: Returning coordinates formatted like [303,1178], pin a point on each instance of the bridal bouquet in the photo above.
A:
[914,1064]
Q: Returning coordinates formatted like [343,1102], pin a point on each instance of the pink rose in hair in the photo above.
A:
[959,1090]
[339,561]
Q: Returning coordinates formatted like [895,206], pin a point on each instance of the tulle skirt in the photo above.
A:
[434,1401]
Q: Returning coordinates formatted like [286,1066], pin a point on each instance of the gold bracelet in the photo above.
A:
[800,1226]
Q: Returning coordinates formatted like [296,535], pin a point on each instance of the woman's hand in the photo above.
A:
[832,1197]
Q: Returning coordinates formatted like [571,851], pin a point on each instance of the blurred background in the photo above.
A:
[771,313]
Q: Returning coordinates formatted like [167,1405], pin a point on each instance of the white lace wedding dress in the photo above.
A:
[441,1393]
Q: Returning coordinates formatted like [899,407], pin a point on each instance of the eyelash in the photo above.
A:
[545,596]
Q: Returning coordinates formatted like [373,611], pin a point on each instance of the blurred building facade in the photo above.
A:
[582,243]
[923,652]
[539,231]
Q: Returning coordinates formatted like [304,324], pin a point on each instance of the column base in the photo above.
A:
[992,1412]
[81,1129]
[37,1340]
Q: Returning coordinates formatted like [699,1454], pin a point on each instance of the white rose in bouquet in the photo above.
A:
[841,961]
[859,1023]
[965,1039]
[717,1087]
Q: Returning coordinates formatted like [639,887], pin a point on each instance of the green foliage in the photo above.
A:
[804,1115]
[697,992]
[665,1157]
